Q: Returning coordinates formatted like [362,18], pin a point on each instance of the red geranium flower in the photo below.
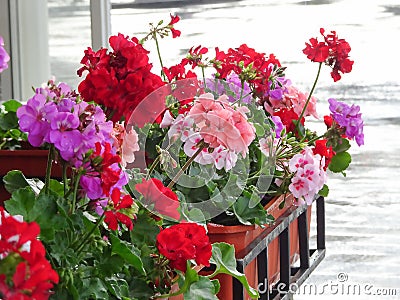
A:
[119,79]
[333,51]
[106,168]
[288,117]
[33,277]
[112,217]
[174,20]
[185,241]
[327,152]
[159,198]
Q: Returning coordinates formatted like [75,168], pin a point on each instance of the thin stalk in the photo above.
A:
[309,96]
[153,166]
[204,76]
[48,169]
[76,184]
[201,146]
[65,178]
[159,56]
[87,236]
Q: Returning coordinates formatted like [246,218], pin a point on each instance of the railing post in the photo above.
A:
[284,250]
[262,272]
[303,241]
[238,292]
[321,223]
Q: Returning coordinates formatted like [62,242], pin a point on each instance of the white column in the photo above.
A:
[101,23]
[31,47]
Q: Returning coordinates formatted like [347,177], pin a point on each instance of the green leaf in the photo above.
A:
[93,288]
[340,162]
[191,276]
[223,256]
[9,121]
[260,131]
[324,191]
[12,105]
[21,203]
[248,215]
[203,289]
[127,252]
[110,264]
[118,287]
[14,180]
[343,146]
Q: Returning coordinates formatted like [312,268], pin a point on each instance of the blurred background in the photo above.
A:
[363,208]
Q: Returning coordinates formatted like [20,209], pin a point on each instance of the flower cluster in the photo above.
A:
[309,176]
[333,51]
[25,273]
[349,118]
[82,137]
[182,242]
[159,198]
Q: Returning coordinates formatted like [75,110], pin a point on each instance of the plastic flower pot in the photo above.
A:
[32,163]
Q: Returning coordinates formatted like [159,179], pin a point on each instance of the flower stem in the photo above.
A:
[201,146]
[64,174]
[48,169]
[309,96]
[87,235]
[78,177]
[159,55]
[204,76]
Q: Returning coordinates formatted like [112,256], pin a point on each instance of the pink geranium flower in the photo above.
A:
[220,124]
[309,175]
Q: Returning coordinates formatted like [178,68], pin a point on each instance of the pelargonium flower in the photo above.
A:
[33,119]
[121,210]
[348,117]
[159,198]
[278,126]
[232,85]
[288,117]
[221,125]
[182,242]
[309,175]
[292,98]
[174,19]
[64,134]
[324,151]
[191,147]
[4,57]
[333,51]
[126,143]
[120,79]
[28,273]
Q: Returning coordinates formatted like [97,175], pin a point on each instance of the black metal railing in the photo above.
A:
[289,274]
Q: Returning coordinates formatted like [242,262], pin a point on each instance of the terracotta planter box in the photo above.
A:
[31,162]
[242,235]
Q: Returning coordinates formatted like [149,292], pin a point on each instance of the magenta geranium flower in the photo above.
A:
[4,57]
[33,119]
[348,117]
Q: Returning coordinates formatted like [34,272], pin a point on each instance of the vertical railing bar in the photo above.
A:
[284,250]
[262,272]
[303,241]
[238,291]
[321,223]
